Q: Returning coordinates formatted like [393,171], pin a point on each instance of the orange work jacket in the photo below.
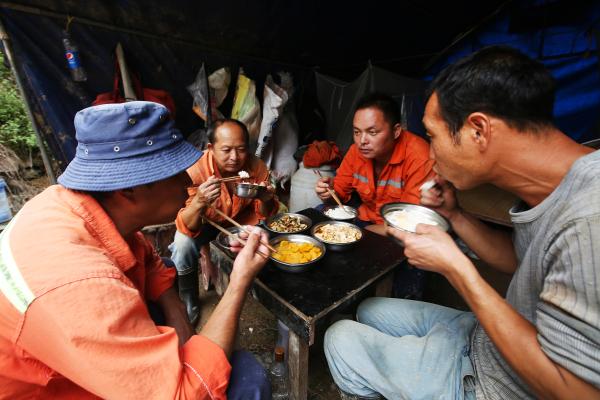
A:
[399,181]
[244,210]
[73,317]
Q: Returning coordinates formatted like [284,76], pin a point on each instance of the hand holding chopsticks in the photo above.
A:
[234,222]
[233,235]
[331,192]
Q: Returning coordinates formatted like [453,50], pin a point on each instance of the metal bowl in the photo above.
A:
[248,190]
[335,246]
[303,218]
[421,214]
[223,239]
[288,267]
[348,209]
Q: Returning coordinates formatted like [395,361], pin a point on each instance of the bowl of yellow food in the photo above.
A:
[296,253]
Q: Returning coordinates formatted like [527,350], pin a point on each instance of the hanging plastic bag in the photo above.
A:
[218,82]
[246,107]
[285,136]
[274,100]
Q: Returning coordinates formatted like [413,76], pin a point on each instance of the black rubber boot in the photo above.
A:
[189,294]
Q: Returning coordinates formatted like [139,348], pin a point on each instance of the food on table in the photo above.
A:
[408,221]
[335,233]
[288,224]
[339,213]
[296,253]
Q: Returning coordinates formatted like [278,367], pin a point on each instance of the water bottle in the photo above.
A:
[5,214]
[279,376]
[72,54]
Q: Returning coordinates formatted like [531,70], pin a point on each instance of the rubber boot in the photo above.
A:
[189,294]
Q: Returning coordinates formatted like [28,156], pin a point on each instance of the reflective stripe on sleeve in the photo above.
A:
[391,182]
[360,177]
[12,284]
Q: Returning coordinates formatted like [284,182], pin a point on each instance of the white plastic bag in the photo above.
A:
[274,100]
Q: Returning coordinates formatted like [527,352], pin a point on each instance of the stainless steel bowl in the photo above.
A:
[335,246]
[348,209]
[422,214]
[303,218]
[288,267]
[248,190]
[223,239]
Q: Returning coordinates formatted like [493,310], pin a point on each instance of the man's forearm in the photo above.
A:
[516,339]
[221,327]
[192,216]
[493,246]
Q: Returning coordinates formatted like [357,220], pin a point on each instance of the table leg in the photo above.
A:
[298,367]
[222,282]
[383,288]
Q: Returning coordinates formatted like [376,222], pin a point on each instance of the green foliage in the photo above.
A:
[15,128]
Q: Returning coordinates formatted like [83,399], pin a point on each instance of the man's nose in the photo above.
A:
[363,138]
[233,155]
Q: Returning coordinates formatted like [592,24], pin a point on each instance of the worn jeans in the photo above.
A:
[402,349]
[185,251]
[248,380]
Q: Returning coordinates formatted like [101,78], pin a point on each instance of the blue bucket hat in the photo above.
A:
[124,145]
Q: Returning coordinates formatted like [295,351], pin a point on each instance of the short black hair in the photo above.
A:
[384,103]
[500,81]
[217,123]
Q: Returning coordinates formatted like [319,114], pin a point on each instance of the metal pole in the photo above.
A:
[13,65]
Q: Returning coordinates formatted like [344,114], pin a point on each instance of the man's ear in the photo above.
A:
[209,146]
[397,130]
[480,129]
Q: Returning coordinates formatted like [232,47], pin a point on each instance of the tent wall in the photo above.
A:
[338,99]
[160,62]
[563,36]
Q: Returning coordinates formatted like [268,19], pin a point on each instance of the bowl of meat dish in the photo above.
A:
[288,223]
[406,217]
[296,253]
[224,240]
[337,235]
[338,213]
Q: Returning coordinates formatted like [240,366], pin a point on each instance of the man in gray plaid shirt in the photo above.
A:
[489,117]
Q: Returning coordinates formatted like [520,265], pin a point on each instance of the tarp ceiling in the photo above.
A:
[166,42]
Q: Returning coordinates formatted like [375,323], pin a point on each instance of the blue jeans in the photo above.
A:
[185,251]
[402,349]
[248,380]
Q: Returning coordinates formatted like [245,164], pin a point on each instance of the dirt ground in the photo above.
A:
[258,334]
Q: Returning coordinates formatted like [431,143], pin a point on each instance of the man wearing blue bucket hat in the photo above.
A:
[75,321]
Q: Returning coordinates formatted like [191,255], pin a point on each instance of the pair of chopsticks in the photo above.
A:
[234,222]
[233,235]
[331,192]
[231,178]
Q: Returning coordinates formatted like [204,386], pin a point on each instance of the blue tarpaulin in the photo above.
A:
[167,44]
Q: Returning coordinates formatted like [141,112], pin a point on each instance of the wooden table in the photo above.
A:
[304,301]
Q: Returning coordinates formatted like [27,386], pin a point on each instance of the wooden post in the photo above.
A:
[383,288]
[298,367]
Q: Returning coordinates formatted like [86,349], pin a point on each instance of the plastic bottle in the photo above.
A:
[279,376]
[5,213]
[283,334]
[74,62]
